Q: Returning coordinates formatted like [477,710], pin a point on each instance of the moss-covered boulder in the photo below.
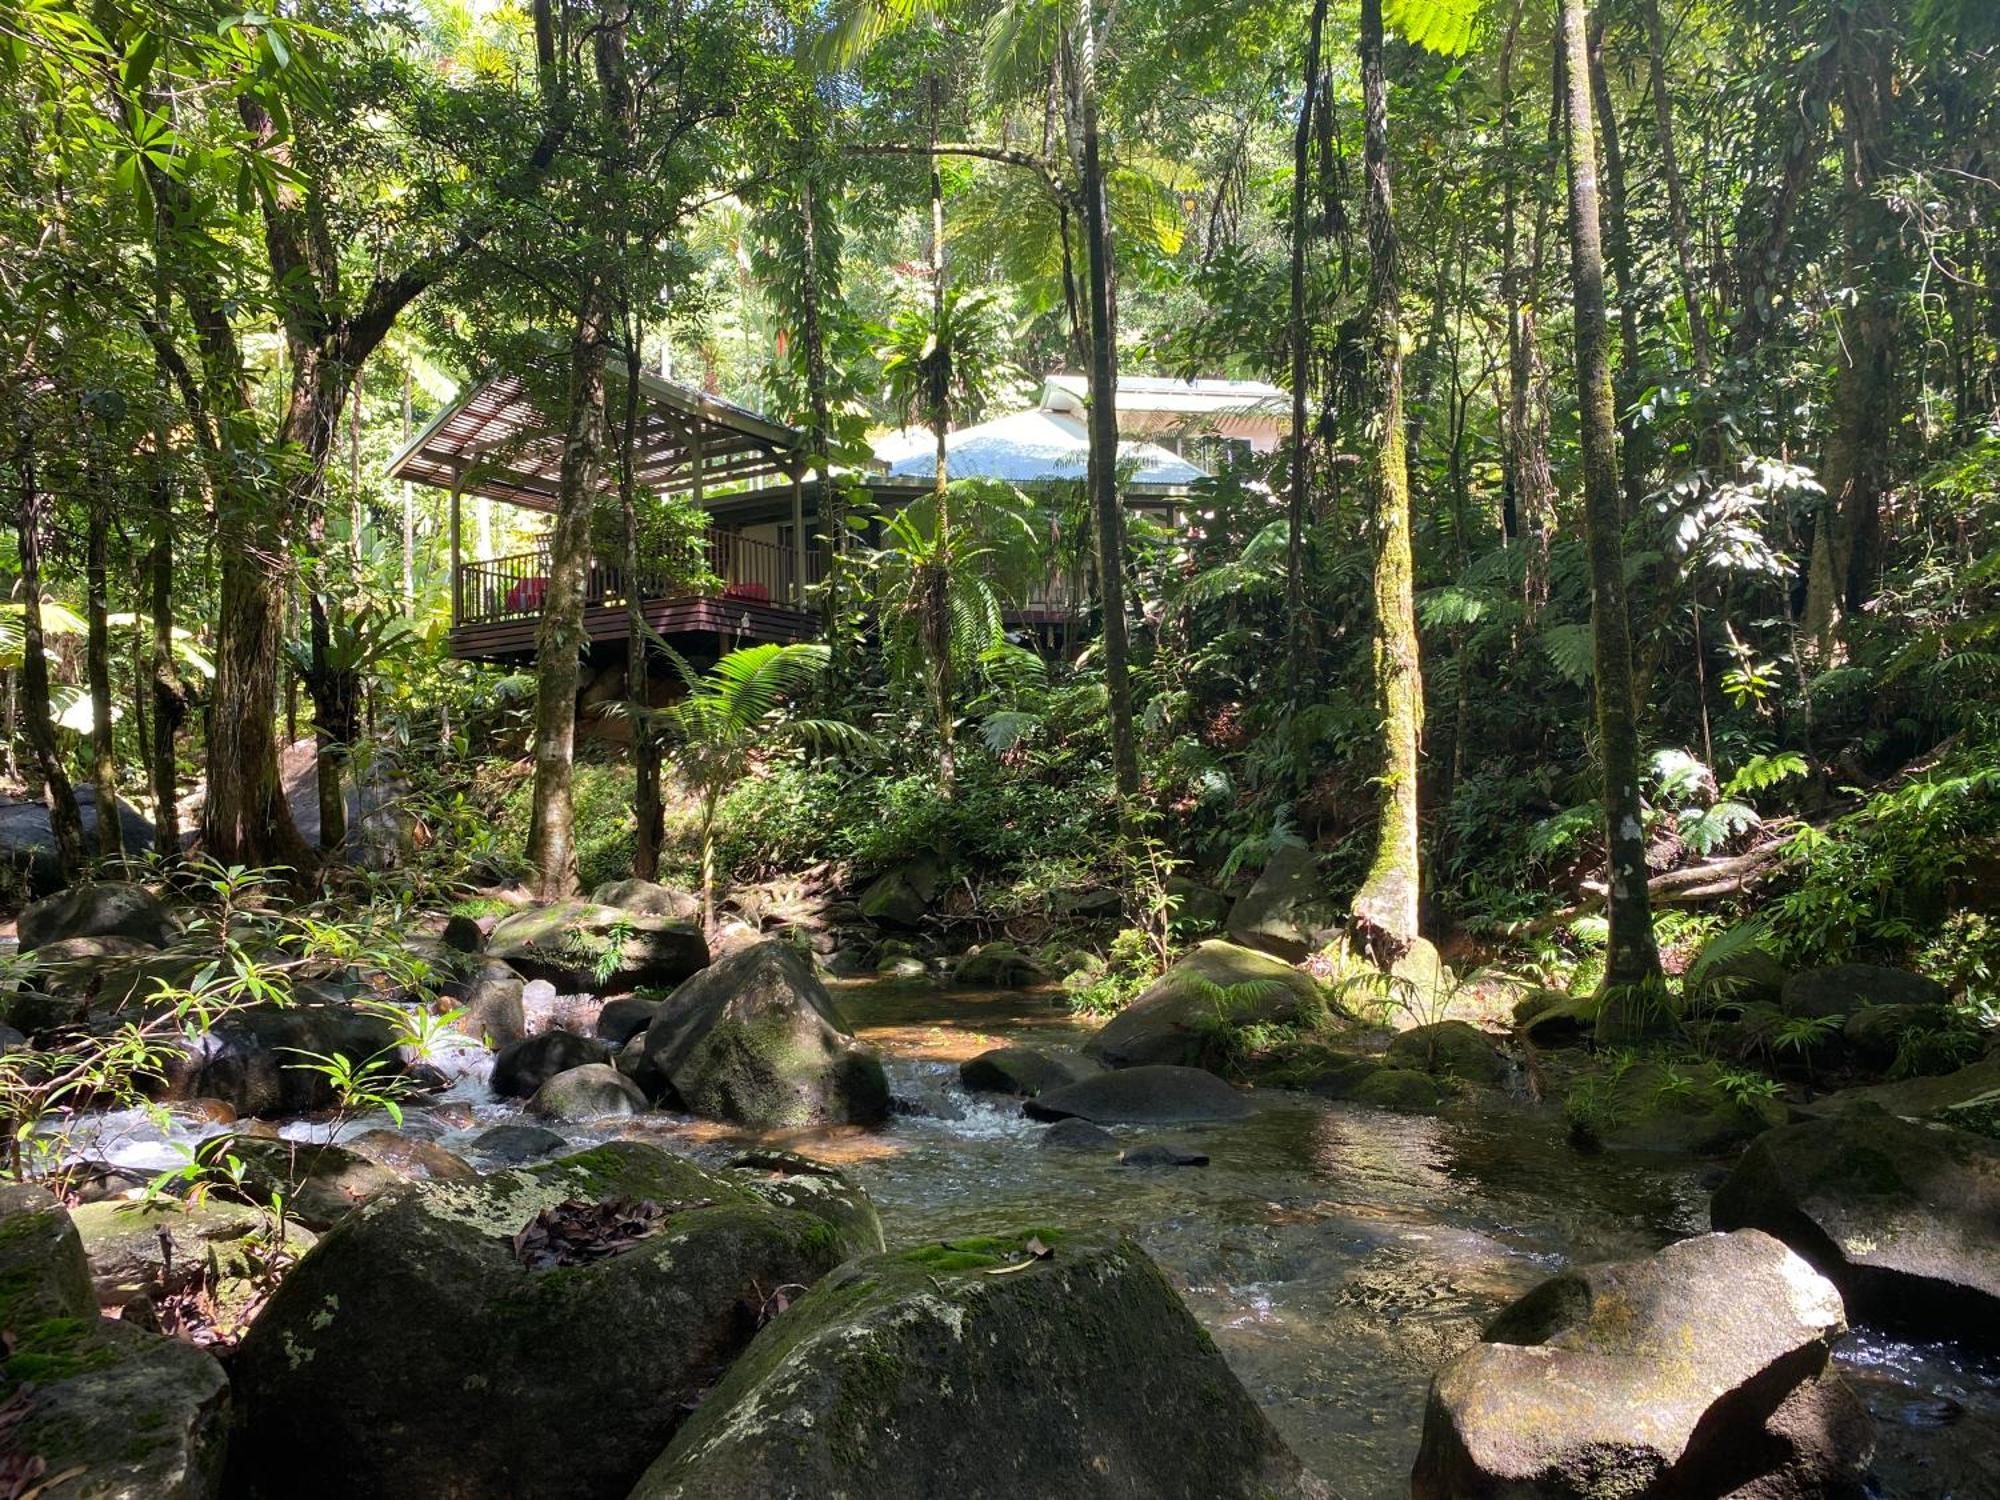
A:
[1141,1096]
[1286,911]
[1699,1371]
[1021,1071]
[1179,1019]
[592,1092]
[580,946]
[1403,1091]
[417,1353]
[1696,1108]
[998,966]
[789,1180]
[1970,1096]
[901,897]
[134,1245]
[649,898]
[972,1370]
[1551,1019]
[106,909]
[1196,907]
[1454,1049]
[756,1039]
[1728,982]
[109,1411]
[1903,1217]
[320,1183]
[1844,989]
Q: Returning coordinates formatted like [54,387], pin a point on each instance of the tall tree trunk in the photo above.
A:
[409,508]
[647,812]
[1633,957]
[559,637]
[832,509]
[1299,333]
[1618,251]
[1847,534]
[1385,908]
[65,821]
[169,699]
[97,656]
[937,572]
[1529,497]
[1102,416]
[1677,211]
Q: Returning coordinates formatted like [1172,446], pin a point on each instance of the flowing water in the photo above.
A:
[1337,1254]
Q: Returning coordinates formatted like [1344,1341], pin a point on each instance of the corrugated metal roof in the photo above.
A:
[1029,447]
[1144,393]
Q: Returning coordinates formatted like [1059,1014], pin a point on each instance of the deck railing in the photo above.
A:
[512,588]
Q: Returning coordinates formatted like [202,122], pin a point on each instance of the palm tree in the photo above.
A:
[731,712]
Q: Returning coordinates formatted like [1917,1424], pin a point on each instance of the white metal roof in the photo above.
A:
[1157,393]
[1029,447]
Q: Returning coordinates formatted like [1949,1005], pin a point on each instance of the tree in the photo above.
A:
[1632,957]
[1385,907]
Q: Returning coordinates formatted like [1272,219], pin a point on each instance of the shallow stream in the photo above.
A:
[1337,1254]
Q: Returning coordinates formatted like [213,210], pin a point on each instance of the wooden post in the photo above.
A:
[798,539]
[457,526]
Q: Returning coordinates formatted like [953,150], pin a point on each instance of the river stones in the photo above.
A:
[109,1410]
[1142,1096]
[973,1370]
[999,965]
[524,1066]
[106,909]
[1903,1217]
[414,1353]
[756,1039]
[1078,1135]
[592,1092]
[1175,1021]
[515,1145]
[1699,1371]
[580,946]
[1021,1071]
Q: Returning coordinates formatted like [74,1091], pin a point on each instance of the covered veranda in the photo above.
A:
[498,443]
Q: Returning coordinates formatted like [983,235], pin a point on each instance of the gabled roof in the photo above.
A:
[1029,447]
[495,442]
[1188,398]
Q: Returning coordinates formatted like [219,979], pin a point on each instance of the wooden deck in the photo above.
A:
[724,621]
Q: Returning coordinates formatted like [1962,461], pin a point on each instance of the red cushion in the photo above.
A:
[755,592]
[527,595]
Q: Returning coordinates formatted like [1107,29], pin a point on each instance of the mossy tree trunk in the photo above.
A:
[1633,957]
[1385,908]
[1299,334]
[65,821]
[97,653]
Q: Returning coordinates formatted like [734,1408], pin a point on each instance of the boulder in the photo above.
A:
[1021,1071]
[463,934]
[1142,1096]
[320,1184]
[1844,989]
[522,1068]
[1454,1049]
[624,1018]
[490,997]
[105,909]
[1667,1106]
[756,1039]
[410,1156]
[1630,1015]
[1551,1019]
[1951,1097]
[133,1243]
[1073,1134]
[516,1145]
[579,946]
[1876,1035]
[1904,1218]
[789,1180]
[1403,1091]
[1091,903]
[901,897]
[95,1408]
[649,899]
[999,966]
[262,1059]
[28,844]
[1286,912]
[416,1352]
[1699,1371]
[590,1092]
[1196,907]
[922,1373]
[1176,1020]
[1749,976]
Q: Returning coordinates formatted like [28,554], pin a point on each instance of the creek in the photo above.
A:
[1337,1254]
